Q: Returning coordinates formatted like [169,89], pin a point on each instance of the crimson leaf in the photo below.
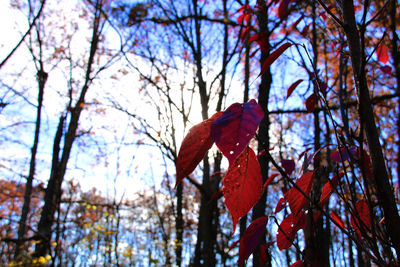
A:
[287,230]
[382,53]
[294,197]
[360,219]
[242,185]
[273,56]
[292,87]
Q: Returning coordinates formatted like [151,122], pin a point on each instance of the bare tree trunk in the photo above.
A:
[59,166]
[384,190]
[317,248]
[179,224]
[263,130]
[42,78]
[396,64]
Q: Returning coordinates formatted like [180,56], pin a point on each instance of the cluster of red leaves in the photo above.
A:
[242,186]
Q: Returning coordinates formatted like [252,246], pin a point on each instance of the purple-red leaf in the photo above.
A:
[386,69]
[292,87]
[294,197]
[311,101]
[242,185]
[382,53]
[234,129]
[273,56]
[283,10]
[263,252]
[194,146]
[251,238]
[288,165]
[335,156]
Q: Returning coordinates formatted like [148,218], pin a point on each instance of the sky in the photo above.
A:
[111,160]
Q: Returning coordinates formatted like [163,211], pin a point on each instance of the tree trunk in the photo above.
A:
[59,166]
[42,78]
[317,248]
[366,114]
[263,130]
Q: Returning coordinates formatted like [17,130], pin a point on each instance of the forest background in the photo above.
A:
[96,98]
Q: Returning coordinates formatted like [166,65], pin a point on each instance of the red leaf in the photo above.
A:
[251,238]
[382,53]
[363,215]
[337,219]
[194,146]
[269,180]
[233,245]
[242,185]
[304,32]
[273,56]
[327,190]
[240,18]
[287,230]
[280,205]
[288,165]
[245,32]
[235,128]
[253,38]
[294,197]
[311,101]
[292,87]
[297,263]
[303,153]
[367,165]
[386,69]
[283,10]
